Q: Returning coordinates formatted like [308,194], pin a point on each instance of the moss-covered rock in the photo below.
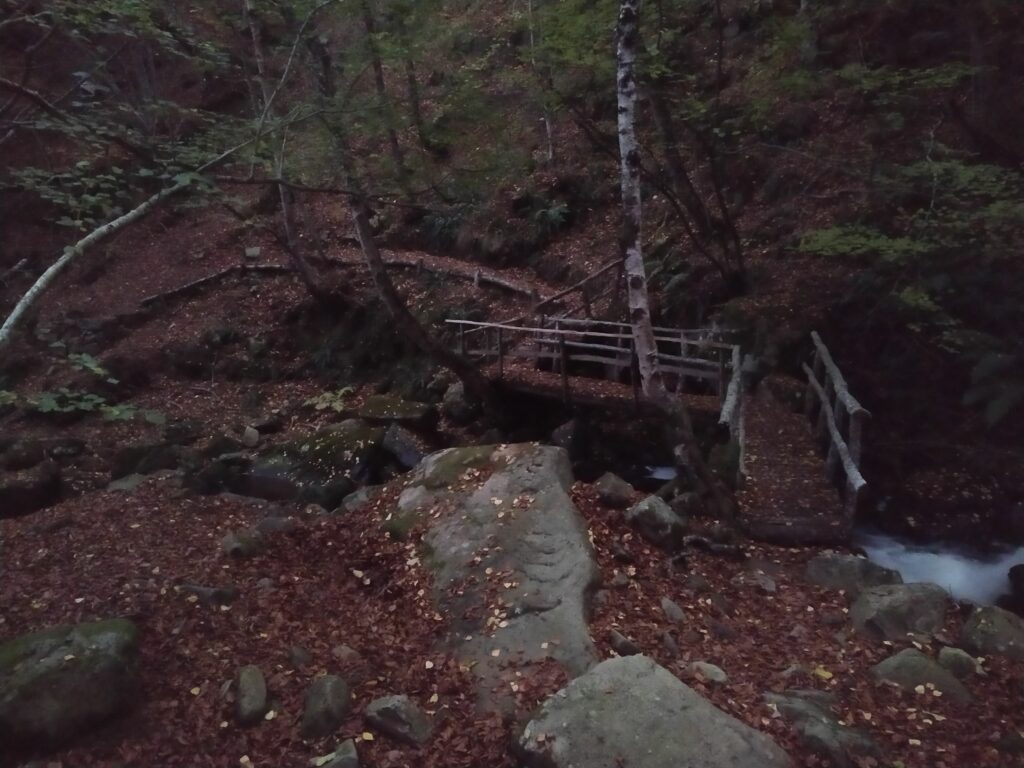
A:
[58,682]
[442,469]
[391,409]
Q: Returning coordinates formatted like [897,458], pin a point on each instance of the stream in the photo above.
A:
[964,574]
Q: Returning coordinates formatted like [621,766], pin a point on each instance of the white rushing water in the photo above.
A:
[964,576]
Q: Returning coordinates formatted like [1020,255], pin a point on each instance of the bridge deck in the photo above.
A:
[786,497]
[523,377]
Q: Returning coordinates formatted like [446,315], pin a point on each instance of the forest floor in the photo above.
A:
[101,552]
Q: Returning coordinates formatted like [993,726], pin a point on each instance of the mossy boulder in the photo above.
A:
[389,409]
[58,682]
[443,469]
[322,468]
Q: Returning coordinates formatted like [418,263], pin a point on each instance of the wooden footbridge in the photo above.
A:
[787,492]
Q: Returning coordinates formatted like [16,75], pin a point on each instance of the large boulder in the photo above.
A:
[631,712]
[322,468]
[57,682]
[912,670]
[520,534]
[991,630]
[657,522]
[849,573]
[820,731]
[891,612]
[389,409]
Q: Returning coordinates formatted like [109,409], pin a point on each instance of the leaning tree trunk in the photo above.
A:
[652,383]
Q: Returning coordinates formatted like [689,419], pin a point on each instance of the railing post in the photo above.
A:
[564,363]
[721,374]
[810,397]
[462,340]
[501,357]
[633,378]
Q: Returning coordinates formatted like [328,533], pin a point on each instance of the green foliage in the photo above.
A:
[335,400]
[859,241]
[892,84]
[939,259]
[76,401]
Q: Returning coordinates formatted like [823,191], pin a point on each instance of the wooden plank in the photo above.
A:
[853,475]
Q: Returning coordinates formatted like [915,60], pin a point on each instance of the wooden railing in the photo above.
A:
[699,354]
[838,421]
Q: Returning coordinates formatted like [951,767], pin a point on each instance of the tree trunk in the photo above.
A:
[382,96]
[406,323]
[652,383]
[301,266]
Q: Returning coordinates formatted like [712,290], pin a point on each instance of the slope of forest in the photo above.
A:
[234,233]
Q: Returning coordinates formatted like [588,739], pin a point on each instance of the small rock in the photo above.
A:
[344,755]
[601,598]
[326,706]
[346,654]
[621,644]
[212,595]
[272,524]
[253,252]
[832,617]
[698,584]
[765,583]
[399,718]
[891,612]
[910,669]
[358,498]
[959,662]
[299,657]
[620,553]
[672,611]
[126,484]
[403,446]
[991,630]
[849,573]
[668,642]
[613,491]
[721,630]
[620,581]
[250,695]
[244,543]
[657,522]
[709,672]
[820,731]
[458,406]
[250,437]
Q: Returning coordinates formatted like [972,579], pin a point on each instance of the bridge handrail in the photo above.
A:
[831,407]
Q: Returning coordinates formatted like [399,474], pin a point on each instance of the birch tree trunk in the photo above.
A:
[688,452]
[628,34]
